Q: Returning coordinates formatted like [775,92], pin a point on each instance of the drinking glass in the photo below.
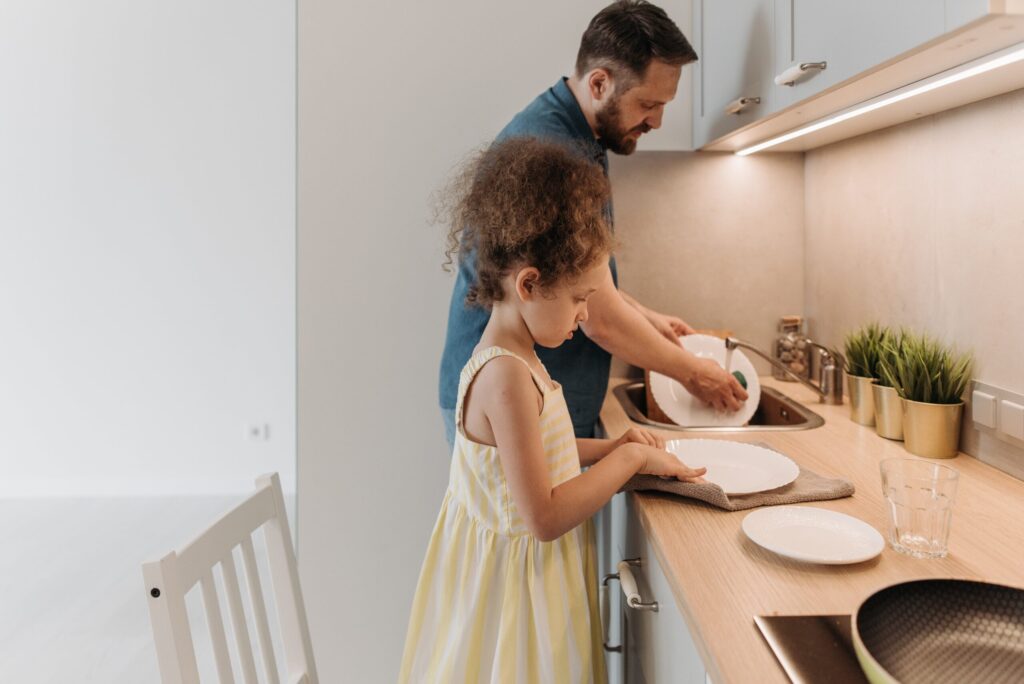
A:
[920,498]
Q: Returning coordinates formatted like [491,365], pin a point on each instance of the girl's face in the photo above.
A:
[554,314]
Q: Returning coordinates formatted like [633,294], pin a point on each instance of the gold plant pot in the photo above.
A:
[862,404]
[932,430]
[888,412]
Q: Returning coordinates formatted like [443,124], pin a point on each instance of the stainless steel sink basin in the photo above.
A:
[775,413]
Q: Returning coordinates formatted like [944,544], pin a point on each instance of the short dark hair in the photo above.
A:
[626,35]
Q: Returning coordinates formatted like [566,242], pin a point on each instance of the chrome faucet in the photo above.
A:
[830,369]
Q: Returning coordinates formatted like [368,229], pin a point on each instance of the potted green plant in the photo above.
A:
[930,379]
[861,347]
[888,404]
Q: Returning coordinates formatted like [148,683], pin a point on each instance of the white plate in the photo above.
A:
[688,411]
[814,535]
[736,467]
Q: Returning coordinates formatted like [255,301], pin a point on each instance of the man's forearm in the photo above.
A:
[620,329]
[631,300]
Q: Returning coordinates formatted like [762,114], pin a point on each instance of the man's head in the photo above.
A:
[629,63]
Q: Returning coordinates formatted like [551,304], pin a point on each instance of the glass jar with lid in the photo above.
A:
[790,348]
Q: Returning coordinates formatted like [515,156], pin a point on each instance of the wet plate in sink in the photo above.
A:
[687,410]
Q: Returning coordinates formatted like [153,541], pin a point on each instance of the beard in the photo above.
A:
[612,133]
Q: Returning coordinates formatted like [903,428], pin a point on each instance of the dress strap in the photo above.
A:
[473,366]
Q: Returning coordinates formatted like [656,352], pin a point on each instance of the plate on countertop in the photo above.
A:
[813,535]
[736,467]
[688,411]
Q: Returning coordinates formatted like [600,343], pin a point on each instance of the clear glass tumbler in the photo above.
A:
[920,497]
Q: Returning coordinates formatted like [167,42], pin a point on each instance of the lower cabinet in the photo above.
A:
[657,646]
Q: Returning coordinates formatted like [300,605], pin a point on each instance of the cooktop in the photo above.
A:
[813,648]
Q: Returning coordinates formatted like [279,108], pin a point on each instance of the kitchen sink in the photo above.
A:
[775,413]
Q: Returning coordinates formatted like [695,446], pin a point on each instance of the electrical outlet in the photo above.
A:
[1011,419]
[998,412]
[257,432]
[983,408]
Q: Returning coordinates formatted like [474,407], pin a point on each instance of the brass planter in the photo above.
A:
[862,403]
[888,412]
[932,430]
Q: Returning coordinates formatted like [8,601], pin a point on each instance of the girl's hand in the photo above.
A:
[639,436]
[663,464]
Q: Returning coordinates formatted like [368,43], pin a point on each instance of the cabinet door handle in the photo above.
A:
[799,72]
[603,596]
[741,103]
[629,588]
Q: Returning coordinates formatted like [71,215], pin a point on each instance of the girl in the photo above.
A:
[507,592]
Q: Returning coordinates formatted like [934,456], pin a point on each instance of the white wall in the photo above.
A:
[391,95]
[146,245]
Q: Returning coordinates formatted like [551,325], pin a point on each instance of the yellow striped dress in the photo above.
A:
[494,603]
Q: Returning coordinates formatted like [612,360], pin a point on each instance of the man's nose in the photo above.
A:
[654,120]
[583,315]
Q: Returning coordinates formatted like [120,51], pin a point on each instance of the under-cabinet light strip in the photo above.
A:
[1002,58]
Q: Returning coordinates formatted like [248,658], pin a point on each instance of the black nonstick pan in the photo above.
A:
[941,630]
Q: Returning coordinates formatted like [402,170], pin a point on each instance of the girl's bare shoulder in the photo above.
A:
[504,380]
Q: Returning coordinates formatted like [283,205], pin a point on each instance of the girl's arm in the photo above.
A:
[593,450]
[510,404]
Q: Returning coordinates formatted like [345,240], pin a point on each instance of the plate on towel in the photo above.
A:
[736,467]
[813,535]
[689,411]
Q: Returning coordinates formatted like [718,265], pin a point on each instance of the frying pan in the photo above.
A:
[941,630]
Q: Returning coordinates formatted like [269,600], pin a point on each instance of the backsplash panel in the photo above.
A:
[713,238]
[923,225]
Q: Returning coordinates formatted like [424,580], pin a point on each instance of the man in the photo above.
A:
[627,70]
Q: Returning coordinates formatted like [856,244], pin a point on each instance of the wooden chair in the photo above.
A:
[169,579]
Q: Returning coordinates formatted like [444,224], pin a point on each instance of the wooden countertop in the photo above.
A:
[721,579]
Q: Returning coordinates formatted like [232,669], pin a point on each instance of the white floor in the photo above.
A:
[72,601]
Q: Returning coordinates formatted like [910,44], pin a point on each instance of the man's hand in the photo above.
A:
[711,384]
[670,327]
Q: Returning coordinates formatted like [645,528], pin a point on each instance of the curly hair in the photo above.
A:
[527,202]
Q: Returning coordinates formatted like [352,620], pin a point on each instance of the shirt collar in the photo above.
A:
[573,109]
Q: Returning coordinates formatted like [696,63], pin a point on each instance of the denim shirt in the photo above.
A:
[579,364]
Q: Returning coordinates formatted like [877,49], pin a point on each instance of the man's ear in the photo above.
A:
[527,283]
[600,84]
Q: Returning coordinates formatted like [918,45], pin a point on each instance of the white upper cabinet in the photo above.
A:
[836,54]
[732,82]
[960,12]
[676,129]
[847,38]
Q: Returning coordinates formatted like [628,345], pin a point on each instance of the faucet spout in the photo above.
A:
[830,378]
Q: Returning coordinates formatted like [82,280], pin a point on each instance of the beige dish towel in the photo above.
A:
[808,486]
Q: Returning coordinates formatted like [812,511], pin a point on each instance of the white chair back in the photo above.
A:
[169,579]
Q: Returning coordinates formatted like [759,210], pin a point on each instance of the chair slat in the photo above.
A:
[206,550]
[243,644]
[216,624]
[284,573]
[170,578]
[259,610]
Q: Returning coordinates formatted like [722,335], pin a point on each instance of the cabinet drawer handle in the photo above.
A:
[603,595]
[799,72]
[741,103]
[629,588]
